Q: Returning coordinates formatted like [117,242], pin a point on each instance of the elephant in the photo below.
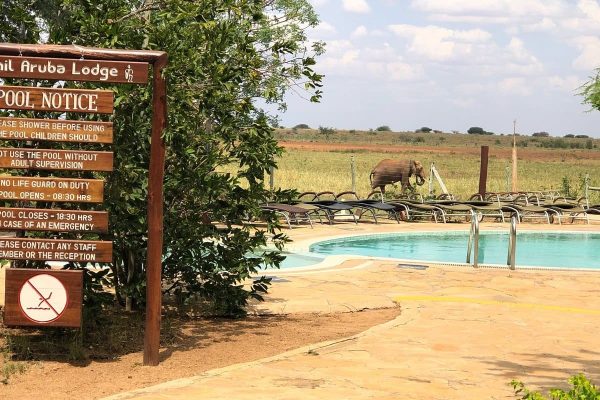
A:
[390,171]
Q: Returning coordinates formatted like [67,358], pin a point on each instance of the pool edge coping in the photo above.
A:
[330,262]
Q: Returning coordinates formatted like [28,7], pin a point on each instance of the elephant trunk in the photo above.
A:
[420,180]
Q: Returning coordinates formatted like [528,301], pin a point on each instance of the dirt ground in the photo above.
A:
[532,154]
[200,345]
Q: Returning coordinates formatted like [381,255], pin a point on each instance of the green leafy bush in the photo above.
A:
[582,389]
[223,57]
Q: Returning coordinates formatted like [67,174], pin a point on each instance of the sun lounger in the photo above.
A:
[325,195]
[333,209]
[413,209]
[307,196]
[290,213]
[452,209]
[525,210]
[486,209]
[569,210]
[368,206]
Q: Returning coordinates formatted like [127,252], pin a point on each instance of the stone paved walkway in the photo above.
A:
[462,333]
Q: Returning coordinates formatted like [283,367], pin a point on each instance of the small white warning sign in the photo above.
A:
[43,298]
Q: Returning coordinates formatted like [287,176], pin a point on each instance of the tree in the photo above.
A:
[222,56]
[475,130]
[424,129]
[540,134]
[591,91]
[301,126]
[326,131]
[383,128]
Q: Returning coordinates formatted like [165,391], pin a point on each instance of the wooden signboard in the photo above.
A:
[63,160]
[55,250]
[73,69]
[50,219]
[42,297]
[56,130]
[58,62]
[51,189]
[50,99]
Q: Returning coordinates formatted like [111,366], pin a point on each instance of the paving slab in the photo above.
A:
[463,333]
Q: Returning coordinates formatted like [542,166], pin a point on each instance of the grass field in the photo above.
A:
[316,165]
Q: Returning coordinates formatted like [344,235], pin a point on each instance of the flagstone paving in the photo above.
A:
[463,333]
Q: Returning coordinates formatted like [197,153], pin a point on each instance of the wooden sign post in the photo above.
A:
[74,63]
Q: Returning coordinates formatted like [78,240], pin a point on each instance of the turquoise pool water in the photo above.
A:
[539,249]
[294,260]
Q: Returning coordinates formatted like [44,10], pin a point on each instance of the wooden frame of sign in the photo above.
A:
[95,65]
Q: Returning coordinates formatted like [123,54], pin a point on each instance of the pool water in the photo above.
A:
[296,260]
[540,249]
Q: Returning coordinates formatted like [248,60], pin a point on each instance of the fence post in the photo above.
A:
[271,178]
[353,171]
[507,173]
[431,180]
[483,170]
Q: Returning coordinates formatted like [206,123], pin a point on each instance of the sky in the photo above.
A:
[453,64]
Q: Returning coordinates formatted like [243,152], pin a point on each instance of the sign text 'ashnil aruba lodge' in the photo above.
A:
[35,118]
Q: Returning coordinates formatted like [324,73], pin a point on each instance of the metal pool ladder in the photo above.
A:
[473,244]
[512,242]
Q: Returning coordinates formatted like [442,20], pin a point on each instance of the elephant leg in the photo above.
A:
[405,182]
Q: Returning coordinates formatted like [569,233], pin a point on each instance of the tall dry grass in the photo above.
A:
[318,171]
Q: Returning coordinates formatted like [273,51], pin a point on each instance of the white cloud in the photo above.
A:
[515,86]
[356,6]
[318,3]
[590,8]
[589,58]
[400,71]
[569,84]
[349,57]
[528,15]
[382,63]
[587,20]
[360,31]
[473,51]
[324,29]
[517,50]
[437,43]
[492,8]
[544,24]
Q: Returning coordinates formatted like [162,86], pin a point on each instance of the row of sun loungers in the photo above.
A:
[328,207]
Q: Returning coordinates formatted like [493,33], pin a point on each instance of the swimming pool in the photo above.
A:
[534,249]
[296,260]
